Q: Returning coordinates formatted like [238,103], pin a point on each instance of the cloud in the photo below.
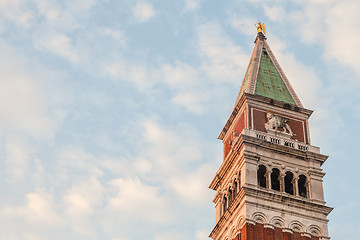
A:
[35,220]
[191,5]
[132,72]
[342,33]
[180,75]
[192,101]
[17,160]
[143,165]
[170,150]
[60,45]
[80,203]
[186,83]
[117,35]
[244,25]
[136,201]
[224,61]
[143,11]
[190,187]
[329,24]
[275,13]
[28,103]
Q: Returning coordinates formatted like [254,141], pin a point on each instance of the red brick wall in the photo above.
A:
[239,125]
[226,146]
[258,232]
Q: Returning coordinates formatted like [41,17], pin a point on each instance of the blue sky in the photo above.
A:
[110,110]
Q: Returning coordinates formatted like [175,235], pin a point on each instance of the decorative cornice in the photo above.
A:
[305,155]
[291,200]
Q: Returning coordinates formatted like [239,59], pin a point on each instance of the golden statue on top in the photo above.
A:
[261,27]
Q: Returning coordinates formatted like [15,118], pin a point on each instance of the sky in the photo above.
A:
[110,110]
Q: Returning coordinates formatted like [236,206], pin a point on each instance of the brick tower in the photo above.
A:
[269,185]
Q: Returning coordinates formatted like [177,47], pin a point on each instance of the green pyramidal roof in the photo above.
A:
[265,77]
[269,83]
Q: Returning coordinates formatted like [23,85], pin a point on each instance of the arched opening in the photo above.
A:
[275,183]
[261,176]
[302,186]
[289,188]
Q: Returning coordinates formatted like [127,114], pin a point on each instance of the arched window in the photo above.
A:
[289,188]
[302,186]
[275,182]
[261,176]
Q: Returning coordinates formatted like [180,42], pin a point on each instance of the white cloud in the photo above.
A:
[191,5]
[308,22]
[61,16]
[143,165]
[60,45]
[118,35]
[192,101]
[37,217]
[83,197]
[331,24]
[180,75]
[275,13]
[343,33]
[27,100]
[143,11]
[17,12]
[224,61]
[245,25]
[170,149]
[17,159]
[136,201]
[168,235]
[80,202]
[136,73]
[201,234]
[190,187]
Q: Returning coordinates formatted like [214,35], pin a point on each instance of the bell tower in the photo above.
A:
[269,185]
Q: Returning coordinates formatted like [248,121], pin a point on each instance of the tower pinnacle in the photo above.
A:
[261,27]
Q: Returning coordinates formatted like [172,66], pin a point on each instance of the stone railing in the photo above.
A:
[279,140]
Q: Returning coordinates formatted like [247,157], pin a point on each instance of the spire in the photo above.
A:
[264,76]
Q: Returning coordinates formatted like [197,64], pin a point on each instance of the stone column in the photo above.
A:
[295,185]
[227,199]
[282,182]
[238,184]
[308,189]
[222,207]
[232,195]
[268,179]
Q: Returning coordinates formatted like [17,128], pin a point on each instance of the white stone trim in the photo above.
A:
[255,71]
